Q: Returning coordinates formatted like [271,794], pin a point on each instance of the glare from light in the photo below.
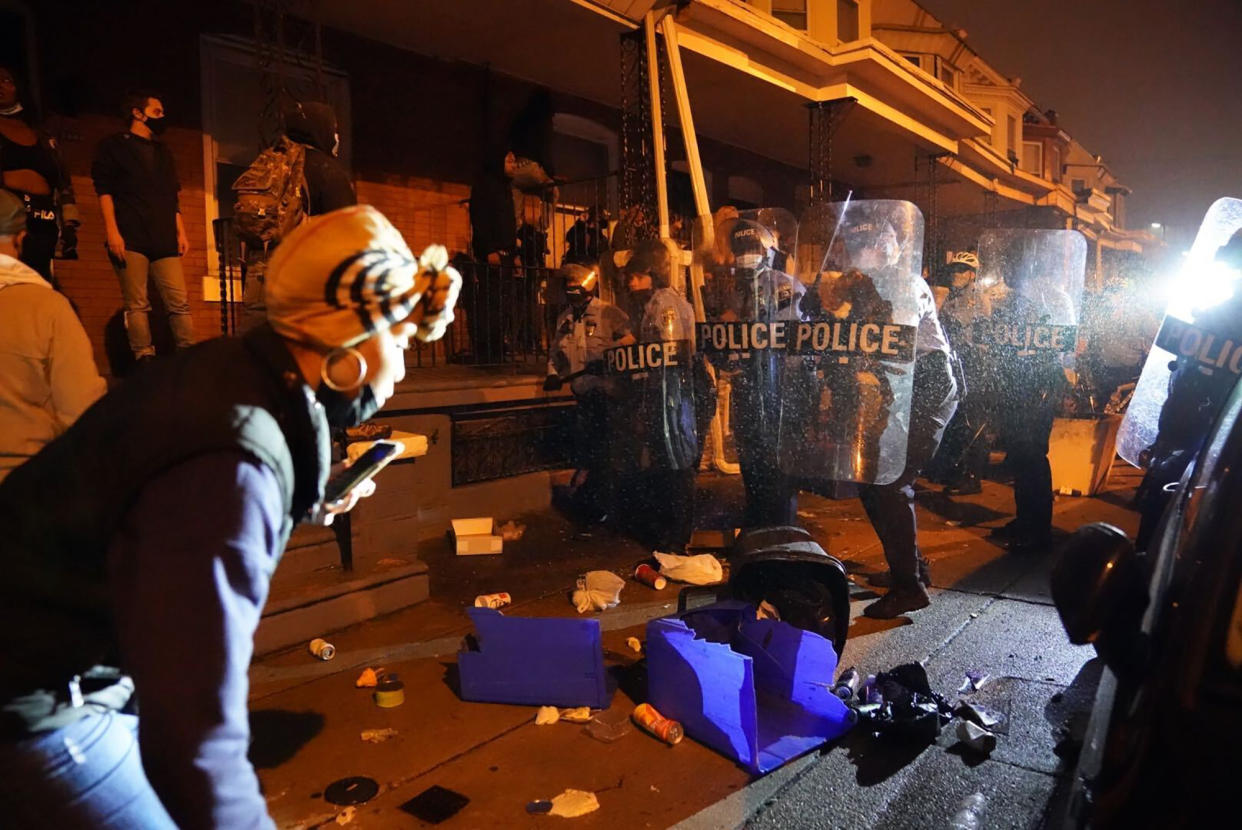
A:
[1155,226]
[1200,285]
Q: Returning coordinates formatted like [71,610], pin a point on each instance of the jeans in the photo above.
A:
[170,282]
[86,774]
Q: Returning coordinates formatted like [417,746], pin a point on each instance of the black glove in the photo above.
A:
[812,306]
[552,383]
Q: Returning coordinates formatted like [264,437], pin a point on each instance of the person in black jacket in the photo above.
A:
[137,185]
[328,184]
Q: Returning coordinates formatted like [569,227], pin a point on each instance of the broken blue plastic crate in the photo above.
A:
[534,660]
[757,691]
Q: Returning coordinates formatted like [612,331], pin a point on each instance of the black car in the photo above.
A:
[1163,747]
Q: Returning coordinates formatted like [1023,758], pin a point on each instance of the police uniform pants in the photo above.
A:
[1025,436]
[771,496]
[591,453]
[890,507]
[662,508]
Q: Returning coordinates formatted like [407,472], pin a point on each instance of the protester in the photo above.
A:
[140,545]
[137,185]
[323,184]
[47,373]
[31,168]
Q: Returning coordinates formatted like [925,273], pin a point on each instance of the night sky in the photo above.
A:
[1153,86]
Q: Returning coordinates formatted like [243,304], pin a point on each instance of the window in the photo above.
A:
[948,75]
[1033,157]
[1078,185]
[847,20]
[792,12]
[1056,165]
[1012,134]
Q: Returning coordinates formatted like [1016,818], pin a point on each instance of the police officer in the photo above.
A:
[584,330]
[1196,394]
[763,293]
[965,449]
[666,450]
[890,507]
[1029,388]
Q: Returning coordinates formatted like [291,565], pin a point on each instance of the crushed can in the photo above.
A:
[648,575]
[492,600]
[848,684]
[322,649]
[669,731]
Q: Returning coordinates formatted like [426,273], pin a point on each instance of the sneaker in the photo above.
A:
[897,602]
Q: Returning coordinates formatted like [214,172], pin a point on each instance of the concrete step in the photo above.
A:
[308,604]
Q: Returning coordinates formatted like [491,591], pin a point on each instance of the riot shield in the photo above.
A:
[1030,284]
[1196,329]
[654,421]
[849,357]
[750,301]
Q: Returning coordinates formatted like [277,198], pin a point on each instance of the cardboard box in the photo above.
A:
[472,537]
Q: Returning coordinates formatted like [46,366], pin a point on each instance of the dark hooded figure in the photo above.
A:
[328,183]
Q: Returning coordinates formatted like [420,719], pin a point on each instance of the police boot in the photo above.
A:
[900,600]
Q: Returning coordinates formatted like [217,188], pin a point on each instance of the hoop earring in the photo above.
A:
[333,356]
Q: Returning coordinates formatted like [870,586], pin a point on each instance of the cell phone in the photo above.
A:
[365,468]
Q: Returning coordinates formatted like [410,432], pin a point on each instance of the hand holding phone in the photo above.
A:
[364,469]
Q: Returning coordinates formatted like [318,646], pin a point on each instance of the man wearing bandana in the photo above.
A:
[140,544]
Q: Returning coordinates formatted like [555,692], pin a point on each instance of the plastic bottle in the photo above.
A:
[969,814]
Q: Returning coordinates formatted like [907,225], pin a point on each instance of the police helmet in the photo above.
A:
[579,279]
[650,257]
[964,261]
[753,245]
[872,234]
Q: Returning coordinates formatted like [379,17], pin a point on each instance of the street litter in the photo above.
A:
[669,731]
[977,714]
[976,737]
[635,644]
[648,575]
[533,661]
[435,804]
[369,678]
[805,514]
[580,714]
[547,715]
[322,649]
[901,703]
[472,537]
[848,684]
[973,681]
[512,531]
[969,815]
[574,803]
[701,569]
[492,600]
[762,710]
[608,727]
[953,523]
[346,816]
[597,591]
[356,789]
[389,692]
[378,736]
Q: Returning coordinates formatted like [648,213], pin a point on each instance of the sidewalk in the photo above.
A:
[990,612]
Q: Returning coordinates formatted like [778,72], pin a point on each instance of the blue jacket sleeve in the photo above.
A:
[190,569]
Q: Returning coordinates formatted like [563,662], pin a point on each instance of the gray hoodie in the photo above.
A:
[47,372]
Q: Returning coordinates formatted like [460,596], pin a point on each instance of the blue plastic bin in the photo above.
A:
[757,691]
[535,661]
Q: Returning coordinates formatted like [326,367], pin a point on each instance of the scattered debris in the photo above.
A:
[574,803]
[322,649]
[805,514]
[648,575]
[378,736]
[953,523]
[848,684]
[669,731]
[472,537]
[608,727]
[493,600]
[975,713]
[369,678]
[901,703]
[389,691]
[547,715]
[702,569]
[579,714]
[435,804]
[511,531]
[976,737]
[356,789]
[635,645]
[346,816]
[974,615]
[969,815]
[597,591]
[974,681]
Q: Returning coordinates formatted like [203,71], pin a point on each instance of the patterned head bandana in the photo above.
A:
[340,278]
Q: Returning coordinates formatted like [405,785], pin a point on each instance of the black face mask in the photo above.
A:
[642,296]
[343,412]
[157,125]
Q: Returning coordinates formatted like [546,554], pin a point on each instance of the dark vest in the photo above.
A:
[60,510]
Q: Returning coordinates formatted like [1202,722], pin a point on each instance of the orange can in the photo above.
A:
[648,575]
[669,731]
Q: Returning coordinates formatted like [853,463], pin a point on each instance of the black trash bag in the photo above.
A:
[904,706]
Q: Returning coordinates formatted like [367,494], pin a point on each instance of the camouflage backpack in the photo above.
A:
[271,194]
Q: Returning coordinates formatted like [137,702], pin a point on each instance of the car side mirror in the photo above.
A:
[1100,589]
